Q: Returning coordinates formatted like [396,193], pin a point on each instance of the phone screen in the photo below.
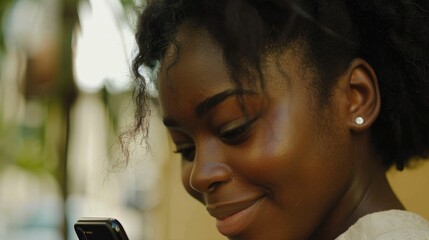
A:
[100,229]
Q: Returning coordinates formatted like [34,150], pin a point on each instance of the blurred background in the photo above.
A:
[65,96]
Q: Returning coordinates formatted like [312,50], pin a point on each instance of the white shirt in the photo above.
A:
[388,225]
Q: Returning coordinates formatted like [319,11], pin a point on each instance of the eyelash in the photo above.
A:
[237,134]
[233,136]
[187,153]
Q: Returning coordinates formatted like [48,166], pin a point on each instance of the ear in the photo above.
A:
[363,95]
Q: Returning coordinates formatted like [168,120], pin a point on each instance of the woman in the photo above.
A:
[288,113]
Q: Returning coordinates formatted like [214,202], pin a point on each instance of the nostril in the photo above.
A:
[208,176]
[212,186]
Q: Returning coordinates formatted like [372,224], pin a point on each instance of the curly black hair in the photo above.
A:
[391,35]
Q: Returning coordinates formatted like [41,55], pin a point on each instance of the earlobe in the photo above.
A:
[364,95]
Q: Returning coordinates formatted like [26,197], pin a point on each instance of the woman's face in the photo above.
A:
[270,170]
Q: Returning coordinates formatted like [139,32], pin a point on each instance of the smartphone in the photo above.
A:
[90,228]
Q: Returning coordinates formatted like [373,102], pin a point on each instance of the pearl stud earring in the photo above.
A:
[359,120]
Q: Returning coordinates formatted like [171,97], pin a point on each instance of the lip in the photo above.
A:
[234,217]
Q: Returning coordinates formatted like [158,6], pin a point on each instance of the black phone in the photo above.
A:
[90,228]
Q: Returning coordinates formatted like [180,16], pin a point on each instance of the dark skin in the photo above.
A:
[285,168]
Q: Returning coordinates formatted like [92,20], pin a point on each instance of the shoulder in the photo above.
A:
[388,225]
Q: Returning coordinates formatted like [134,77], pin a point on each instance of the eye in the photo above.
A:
[187,151]
[236,131]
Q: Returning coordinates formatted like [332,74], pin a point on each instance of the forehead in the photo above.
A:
[193,52]
[194,68]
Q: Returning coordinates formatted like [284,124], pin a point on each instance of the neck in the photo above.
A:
[368,192]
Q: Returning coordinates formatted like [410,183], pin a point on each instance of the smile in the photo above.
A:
[233,218]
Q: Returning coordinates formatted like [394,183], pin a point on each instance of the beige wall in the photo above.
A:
[178,216]
[188,219]
[411,186]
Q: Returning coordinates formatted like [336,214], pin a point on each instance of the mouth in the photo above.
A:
[234,217]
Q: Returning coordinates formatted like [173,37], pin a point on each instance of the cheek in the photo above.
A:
[304,172]
[295,159]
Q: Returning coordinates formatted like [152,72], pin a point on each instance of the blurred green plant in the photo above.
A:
[40,145]
[4,6]
[7,132]
[43,147]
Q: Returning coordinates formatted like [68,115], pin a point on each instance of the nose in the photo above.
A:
[210,169]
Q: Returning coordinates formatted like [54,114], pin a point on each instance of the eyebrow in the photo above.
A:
[209,103]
